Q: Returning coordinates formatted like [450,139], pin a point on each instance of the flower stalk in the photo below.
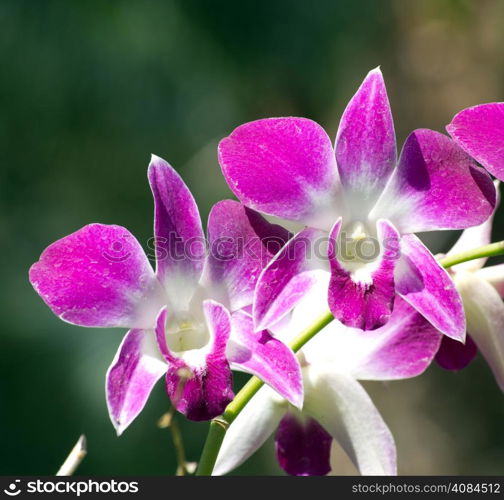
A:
[74,459]
[219,425]
[491,250]
[168,421]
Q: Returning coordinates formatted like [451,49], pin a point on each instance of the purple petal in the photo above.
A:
[180,242]
[424,284]
[480,132]
[403,348]
[343,408]
[269,359]
[436,186]
[289,277]
[241,243]
[282,166]
[303,446]
[453,355]
[364,299]
[200,385]
[365,144]
[136,368]
[485,320]
[98,276]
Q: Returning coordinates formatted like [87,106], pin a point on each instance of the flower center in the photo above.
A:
[186,332]
[358,244]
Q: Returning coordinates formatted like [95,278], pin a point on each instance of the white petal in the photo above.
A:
[345,410]
[495,276]
[250,430]
[485,320]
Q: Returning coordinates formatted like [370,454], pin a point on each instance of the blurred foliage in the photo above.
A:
[89,89]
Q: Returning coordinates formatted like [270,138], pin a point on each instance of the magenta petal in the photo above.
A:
[269,359]
[241,243]
[135,370]
[361,300]
[289,277]
[402,348]
[98,276]
[281,166]
[480,132]
[179,238]
[436,186]
[200,385]
[425,285]
[365,144]
[303,446]
[453,355]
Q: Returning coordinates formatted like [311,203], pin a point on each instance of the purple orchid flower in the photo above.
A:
[188,320]
[480,132]
[482,290]
[367,210]
[336,406]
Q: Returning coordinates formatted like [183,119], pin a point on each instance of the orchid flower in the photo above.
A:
[336,406]
[482,290]
[367,208]
[480,132]
[188,320]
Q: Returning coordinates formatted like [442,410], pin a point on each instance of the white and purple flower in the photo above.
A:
[188,320]
[353,195]
[336,406]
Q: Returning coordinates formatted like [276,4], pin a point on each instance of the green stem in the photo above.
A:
[491,250]
[219,425]
[179,447]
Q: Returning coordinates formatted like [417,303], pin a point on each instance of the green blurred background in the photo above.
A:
[89,89]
